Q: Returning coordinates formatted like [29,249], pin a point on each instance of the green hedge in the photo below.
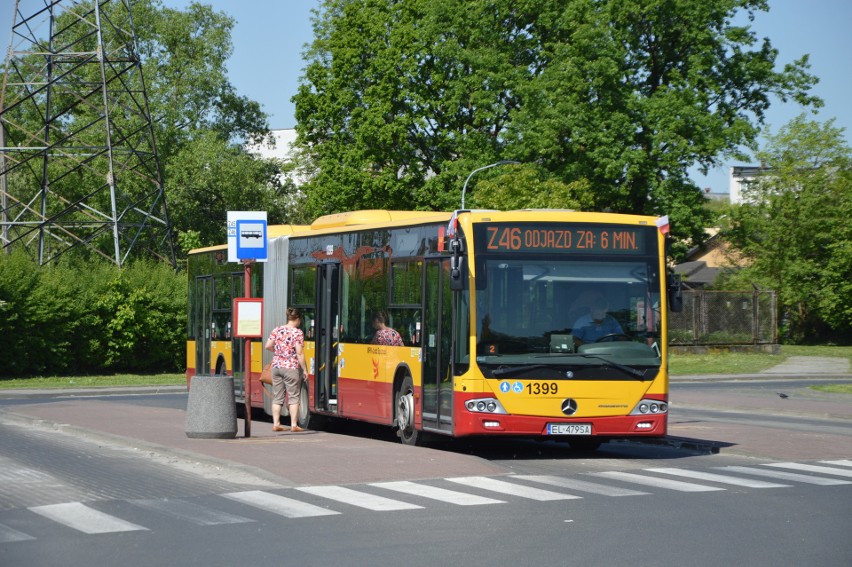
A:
[82,317]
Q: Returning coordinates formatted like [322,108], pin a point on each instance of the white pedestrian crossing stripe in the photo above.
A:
[280,505]
[724,479]
[580,485]
[657,482]
[503,487]
[356,498]
[82,518]
[812,468]
[789,476]
[436,493]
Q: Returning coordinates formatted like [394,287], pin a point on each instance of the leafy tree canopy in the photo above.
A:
[184,55]
[203,123]
[794,229]
[612,99]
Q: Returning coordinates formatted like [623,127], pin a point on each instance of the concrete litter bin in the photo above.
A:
[211,412]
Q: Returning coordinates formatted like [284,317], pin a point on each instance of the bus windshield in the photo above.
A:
[550,309]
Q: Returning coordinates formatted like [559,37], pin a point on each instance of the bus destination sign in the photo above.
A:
[561,238]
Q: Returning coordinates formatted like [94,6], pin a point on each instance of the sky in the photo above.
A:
[269,38]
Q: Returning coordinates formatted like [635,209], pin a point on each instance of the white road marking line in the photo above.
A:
[85,519]
[812,468]
[280,505]
[360,499]
[436,493]
[657,482]
[843,463]
[8,535]
[581,485]
[199,515]
[724,479]
[503,487]
[793,477]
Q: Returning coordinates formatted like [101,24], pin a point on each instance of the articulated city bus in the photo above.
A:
[547,324]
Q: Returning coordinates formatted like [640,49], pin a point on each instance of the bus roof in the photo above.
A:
[374,216]
[353,219]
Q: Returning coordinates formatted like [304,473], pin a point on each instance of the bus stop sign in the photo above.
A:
[247,236]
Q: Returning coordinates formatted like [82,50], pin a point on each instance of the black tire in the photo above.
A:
[404,413]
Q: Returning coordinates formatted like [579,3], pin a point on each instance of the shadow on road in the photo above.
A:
[515,448]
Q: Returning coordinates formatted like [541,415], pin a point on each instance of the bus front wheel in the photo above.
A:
[404,413]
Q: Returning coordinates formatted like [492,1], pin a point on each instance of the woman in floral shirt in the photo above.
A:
[288,367]
[384,334]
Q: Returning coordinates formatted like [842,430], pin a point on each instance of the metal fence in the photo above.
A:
[725,318]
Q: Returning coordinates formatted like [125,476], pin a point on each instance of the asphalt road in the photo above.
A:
[746,477]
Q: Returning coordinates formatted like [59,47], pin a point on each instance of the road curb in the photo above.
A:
[684,378]
[27,393]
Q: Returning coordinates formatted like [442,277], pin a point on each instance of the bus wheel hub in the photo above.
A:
[405,412]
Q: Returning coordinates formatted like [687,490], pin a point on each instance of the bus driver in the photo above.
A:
[595,324]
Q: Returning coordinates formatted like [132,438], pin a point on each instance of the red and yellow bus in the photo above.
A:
[489,306]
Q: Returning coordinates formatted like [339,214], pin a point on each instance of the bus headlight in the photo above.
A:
[650,407]
[484,405]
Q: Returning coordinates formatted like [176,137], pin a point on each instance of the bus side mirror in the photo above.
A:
[675,293]
[457,265]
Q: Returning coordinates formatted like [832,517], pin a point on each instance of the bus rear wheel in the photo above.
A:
[304,417]
[404,413]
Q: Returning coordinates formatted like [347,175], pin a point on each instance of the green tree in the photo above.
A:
[541,191]
[400,101]
[794,231]
[211,177]
[203,123]
[184,55]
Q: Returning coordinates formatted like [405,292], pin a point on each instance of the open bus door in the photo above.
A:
[327,337]
[203,332]
[437,393]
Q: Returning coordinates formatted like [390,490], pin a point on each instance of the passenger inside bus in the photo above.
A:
[384,335]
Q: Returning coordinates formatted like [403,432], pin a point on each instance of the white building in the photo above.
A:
[284,140]
[283,149]
[740,177]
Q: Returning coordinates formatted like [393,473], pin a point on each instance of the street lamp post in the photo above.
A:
[464,188]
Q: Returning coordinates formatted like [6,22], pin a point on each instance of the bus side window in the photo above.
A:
[406,321]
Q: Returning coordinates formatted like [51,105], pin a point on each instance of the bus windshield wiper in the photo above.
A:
[518,368]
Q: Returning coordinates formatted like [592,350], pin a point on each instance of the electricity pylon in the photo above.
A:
[78,160]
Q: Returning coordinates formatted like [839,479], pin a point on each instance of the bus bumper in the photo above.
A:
[470,423]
